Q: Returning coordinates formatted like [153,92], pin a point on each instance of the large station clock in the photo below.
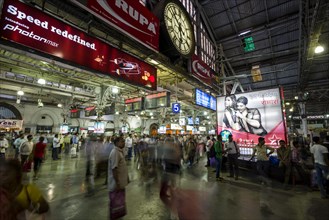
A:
[177,35]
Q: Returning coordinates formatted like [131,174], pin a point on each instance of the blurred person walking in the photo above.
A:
[39,152]
[117,180]
[90,163]
[233,154]
[321,162]
[56,146]
[18,201]
[263,163]
[209,145]
[129,146]
[17,143]
[25,151]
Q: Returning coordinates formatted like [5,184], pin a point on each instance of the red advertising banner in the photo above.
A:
[202,71]
[31,27]
[251,115]
[127,16]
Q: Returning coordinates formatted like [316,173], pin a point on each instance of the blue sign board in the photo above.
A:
[175,107]
[190,121]
[197,121]
[205,100]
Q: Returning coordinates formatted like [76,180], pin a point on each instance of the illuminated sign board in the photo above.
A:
[205,100]
[129,17]
[189,128]
[134,104]
[64,129]
[175,127]
[264,113]
[202,129]
[99,127]
[157,100]
[35,29]
[190,121]
[201,71]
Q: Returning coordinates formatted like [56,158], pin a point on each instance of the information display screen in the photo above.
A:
[134,104]
[99,127]
[157,100]
[190,121]
[205,100]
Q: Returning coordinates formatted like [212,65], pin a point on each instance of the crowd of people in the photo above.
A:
[161,157]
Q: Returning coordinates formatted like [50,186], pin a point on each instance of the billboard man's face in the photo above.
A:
[240,106]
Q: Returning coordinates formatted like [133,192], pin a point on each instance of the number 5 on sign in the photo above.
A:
[175,107]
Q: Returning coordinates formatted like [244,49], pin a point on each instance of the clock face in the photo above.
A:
[179,28]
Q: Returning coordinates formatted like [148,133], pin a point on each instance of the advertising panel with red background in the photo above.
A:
[33,28]
[202,71]
[127,16]
[248,116]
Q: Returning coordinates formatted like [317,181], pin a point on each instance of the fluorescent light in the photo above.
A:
[59,105]
[245,32]
[42,81]
[287,103]
[20,92]
[205,113]
[319,49]
[116,113]
[296,97]
[152,117]
[115,90]
[151,113]
[154,62]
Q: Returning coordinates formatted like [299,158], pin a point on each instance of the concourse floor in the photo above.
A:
[198,196]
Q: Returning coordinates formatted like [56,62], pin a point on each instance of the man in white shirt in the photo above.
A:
[209,145]
[56,146]
[321,161]
[26,148]
[232,156]
[129,146]
[3,146]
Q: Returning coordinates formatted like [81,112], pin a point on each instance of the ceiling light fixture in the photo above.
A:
[18,100]
[244,32]
[42,81]
[319,49]
[116,113]
[154,62]
[20,92]
[59,105]
[115,90]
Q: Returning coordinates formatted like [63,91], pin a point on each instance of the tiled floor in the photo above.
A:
[198,196]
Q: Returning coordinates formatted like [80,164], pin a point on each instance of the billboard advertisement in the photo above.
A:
[251,115]
[129,17]
[33,28]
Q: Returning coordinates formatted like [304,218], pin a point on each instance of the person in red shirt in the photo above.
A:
[38,153]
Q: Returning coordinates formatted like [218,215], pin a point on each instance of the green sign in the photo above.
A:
[248,44]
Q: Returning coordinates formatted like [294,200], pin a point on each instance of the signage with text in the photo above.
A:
[11,124]
[157,100]
[33,28]
[205,100]
[127,16]
[202,71]
[247,116]
[175,107]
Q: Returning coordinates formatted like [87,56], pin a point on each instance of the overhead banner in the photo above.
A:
[202,71]
[33,28]
[10,124]
[129,17]
[251,115]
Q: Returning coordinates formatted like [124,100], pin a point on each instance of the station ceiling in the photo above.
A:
[285,33]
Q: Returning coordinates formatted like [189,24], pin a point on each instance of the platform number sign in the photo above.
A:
[175,107]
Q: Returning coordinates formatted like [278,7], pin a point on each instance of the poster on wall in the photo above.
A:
[33,28]
[12,124]
[251,115]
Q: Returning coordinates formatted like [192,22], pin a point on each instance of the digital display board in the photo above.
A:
[64,129]
[157,100]
[90,111]
[248,116]
[205,100]
[197,120]
[134,104]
